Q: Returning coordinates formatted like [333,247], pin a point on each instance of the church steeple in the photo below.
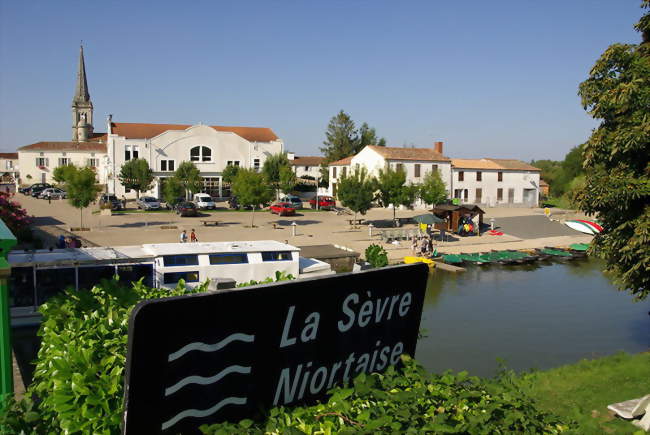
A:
[82,107]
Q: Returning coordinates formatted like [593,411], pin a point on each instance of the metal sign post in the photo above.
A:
[7,241]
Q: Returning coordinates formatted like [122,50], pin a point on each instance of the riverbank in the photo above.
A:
[582,391]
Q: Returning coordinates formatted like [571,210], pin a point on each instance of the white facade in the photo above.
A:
[9,167]
[38,164]
[209,149]
[517,187]
[305,166]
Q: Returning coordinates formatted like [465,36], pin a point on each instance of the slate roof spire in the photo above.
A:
[81,94]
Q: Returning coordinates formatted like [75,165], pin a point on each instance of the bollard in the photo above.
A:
[370,230]
[492,223]
[293,228]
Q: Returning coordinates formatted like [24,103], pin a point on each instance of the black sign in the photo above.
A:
[225,355]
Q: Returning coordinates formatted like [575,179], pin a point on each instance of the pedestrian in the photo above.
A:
[184,237]
[49,199]
[414,244]
[60,243]
[193,238]
[124,202]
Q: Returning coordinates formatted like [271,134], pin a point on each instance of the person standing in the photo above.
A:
[184,236]
[124,202]
[193,238]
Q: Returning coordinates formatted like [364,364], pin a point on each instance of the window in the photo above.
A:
[64,161]
[434,168]
[499,194]
[174,277]
[276,256]
[499,176]
[334,172]
[42,161]
[461,176]
[127,153]
[465,194]
[10,164]
[479,176]
[233,163]
[93,163]
[228,258]
[201,154]
[479,196]
[399,167]
[136,151]
[181,260]
[167,165]
[344,171]
[307,168]
[256,165]
[417,170]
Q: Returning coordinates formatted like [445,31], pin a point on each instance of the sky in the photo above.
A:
[490,79]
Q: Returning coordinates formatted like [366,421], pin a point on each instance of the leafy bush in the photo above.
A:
[376,255]
[409,401]
[13,215]
[279,276]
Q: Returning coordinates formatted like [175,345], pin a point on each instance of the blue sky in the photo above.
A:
[490,79]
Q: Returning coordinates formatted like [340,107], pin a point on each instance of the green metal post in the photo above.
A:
[7,241]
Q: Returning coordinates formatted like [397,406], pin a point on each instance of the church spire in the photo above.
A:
[81,94]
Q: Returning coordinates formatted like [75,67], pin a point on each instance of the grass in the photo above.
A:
[559,202]
[582,391]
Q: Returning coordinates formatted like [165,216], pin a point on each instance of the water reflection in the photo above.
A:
[534,316]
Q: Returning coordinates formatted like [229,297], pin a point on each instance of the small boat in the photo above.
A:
[452,259]
[556,253]
[429,262]
[574,254]
[579,247]
[584,226]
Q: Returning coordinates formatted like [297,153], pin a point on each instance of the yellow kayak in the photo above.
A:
[428,261]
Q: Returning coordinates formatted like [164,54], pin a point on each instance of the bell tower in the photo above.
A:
[82,107]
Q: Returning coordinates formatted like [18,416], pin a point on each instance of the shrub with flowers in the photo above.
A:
[13,215]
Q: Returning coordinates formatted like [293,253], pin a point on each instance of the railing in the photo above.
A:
[7,241]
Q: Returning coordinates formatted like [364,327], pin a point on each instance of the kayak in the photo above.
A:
[583,226]
[428,261]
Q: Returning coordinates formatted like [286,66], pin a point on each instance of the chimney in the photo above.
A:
[437,147]
[291,156]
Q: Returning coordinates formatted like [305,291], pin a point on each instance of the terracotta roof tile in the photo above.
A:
[146,131]
[392,153]
[307,161]
[543,183]
[342,162]
[65,146]
[515,164]
[9,156]
[494,164]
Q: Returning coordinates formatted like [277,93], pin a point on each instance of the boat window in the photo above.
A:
[50,282]
[228,258]
[21,287]
[276,256]
[181,260]
[93,275]
[133,272]
[174,277]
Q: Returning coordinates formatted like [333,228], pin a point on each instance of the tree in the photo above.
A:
[356,191]
[368,136]
[81,188]
[288,179]
[189,178]
[272,168]
[341,136]
[252,189]
[616,159]
[229,173]
[61,173]
[172,190]
[137,175]
[432,190]
[391,189]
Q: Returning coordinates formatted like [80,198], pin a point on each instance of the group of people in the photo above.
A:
[424,245]
[193,237]
[68,242]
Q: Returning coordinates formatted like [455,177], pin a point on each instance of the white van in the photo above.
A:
[203,200]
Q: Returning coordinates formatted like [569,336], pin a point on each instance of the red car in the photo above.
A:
[323,202]
[283,209]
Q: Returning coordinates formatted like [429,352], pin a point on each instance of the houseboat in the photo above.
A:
[38,275]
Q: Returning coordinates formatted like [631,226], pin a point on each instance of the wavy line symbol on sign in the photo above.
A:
[202,380]
[204,347]
[203,412]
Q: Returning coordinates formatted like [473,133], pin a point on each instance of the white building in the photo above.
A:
[305,166]
[165,146]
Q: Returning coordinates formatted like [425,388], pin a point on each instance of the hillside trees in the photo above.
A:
[137,175]
[617,159]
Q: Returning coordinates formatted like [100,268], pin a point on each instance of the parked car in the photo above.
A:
[325,202]
[110,199]
[283,209]
[52,193]
[293,200]
[173,205]
[28,190]
[148,203]
[204,201]
[186,209]
[36,190]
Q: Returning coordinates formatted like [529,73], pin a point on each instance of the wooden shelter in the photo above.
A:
[453,213]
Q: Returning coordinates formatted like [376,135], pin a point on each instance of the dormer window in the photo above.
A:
[200,154]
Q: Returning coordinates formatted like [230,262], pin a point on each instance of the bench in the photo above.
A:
[355,221]
[210,222]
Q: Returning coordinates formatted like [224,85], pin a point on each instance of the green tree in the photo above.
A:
[81,188]
[252,189]
[229,173]
[616,159]
[391,189]
[172,190]
[432,190]
[273,167]
[189,178]
[368,136]
[137,175]
[61,173]
[287,180]
[324,176]
[356,191]
[341,138]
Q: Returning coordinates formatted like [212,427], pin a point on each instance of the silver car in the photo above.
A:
[148,203]
[52,193]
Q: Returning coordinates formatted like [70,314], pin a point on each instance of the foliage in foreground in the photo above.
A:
[376,255]
[13,215]
[408,401]
[617,159]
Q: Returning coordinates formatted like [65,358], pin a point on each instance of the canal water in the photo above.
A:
[537,316]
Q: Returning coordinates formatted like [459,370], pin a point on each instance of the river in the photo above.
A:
[539,316]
